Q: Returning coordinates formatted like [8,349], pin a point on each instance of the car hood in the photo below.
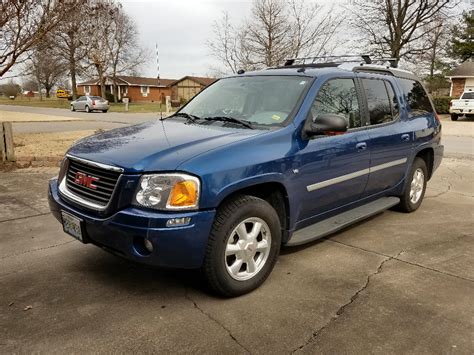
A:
[156,145]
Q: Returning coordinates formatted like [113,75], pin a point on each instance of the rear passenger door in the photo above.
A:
[390,139]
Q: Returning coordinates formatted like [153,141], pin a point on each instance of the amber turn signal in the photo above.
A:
[184,194]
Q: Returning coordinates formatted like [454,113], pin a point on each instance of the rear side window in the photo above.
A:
[468,96]
[416,97]
[338,96]
[378,101]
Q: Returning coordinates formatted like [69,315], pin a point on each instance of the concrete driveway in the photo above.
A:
[397,283]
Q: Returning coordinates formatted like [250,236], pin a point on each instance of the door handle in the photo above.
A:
[405,137]
[361,146]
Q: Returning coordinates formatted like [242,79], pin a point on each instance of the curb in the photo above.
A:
[23,162]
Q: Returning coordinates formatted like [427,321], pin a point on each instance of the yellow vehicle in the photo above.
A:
[63,94]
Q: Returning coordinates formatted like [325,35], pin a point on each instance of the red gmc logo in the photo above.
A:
[85,180]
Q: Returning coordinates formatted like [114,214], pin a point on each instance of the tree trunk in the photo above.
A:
[72,72]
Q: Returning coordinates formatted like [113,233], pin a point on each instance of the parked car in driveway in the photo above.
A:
[463,106]
[256,161]
[90,103]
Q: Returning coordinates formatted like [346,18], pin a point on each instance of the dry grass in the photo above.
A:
[46,144]
[10,116]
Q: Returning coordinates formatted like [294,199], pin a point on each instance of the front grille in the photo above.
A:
[104,182]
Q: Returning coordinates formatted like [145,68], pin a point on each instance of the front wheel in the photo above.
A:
[243,246]
[454,117]
[73,108]
[88,109]
[415,187]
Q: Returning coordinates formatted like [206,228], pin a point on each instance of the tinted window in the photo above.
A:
[393,100]
[416,97]
[378,103]
[338,96]
[468,96]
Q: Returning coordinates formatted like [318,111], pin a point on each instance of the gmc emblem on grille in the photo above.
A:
[85,180]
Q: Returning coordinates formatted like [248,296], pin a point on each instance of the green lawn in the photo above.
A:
[141,107]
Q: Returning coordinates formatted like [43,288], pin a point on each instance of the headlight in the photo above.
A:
[168,192]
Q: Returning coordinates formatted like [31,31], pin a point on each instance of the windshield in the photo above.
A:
[468,96]
[262,100]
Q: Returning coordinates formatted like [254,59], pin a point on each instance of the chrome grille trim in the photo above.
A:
[104,193]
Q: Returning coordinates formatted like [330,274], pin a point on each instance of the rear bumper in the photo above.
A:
[100,107]
[461,111]
[178,247]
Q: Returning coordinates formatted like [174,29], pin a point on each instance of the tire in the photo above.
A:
[88,110]
[241,216]
[454,117]
[104,111]
[414,191]
[72,108]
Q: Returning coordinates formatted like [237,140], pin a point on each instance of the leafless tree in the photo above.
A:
[125,54]
[276,30]
[72,43]
[45,65]
[396,28]
[24,23]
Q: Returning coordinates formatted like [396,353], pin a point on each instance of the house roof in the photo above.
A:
[466,69]
[199,79]
[133,81]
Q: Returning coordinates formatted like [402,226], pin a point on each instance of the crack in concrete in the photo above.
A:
[409,262]
[25,217]
[37,249]
[186,295]
[343,308]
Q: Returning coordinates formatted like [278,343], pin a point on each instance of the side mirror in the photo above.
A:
[325,123]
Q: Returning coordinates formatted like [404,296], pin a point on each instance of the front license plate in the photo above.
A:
[72,225]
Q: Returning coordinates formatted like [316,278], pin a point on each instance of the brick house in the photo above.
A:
[135,88]
[148,89]
[462,79]
[185,88]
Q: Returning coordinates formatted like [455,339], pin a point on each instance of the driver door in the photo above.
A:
[334,169]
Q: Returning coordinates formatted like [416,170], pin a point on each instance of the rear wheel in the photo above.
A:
[104,111]
[88,109]
[243,246]
[454,117]
[415,187]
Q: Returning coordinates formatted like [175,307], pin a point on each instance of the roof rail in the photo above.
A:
[330,59]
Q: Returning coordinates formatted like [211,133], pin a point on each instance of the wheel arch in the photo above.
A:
[274,192]
[427,154]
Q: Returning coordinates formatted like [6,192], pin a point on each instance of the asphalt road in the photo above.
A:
[397,283]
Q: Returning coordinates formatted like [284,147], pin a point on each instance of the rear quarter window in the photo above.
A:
[416,97]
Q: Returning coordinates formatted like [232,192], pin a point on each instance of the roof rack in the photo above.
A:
[333,60]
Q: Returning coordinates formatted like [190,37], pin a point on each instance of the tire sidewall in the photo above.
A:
[255,208]
[417,164]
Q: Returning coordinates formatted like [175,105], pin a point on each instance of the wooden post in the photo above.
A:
[8,136]
[3,153]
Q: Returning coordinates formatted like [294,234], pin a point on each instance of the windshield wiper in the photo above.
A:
[190,118]
[230,119]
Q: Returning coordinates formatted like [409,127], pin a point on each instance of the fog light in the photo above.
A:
[148,245]
[173,222]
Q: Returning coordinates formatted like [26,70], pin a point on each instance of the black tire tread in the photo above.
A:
[224,213]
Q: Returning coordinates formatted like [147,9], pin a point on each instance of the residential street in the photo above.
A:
[396,283]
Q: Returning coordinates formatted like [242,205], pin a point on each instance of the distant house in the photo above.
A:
[134,87]
[185,88]
[462,79]
[148,89]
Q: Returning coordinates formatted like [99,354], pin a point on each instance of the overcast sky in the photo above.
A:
[181,29]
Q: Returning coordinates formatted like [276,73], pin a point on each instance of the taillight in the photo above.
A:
[93,102]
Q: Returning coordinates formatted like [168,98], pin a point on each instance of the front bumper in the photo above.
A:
[177,247]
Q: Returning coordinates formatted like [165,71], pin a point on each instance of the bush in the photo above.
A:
[109,97]
[441,103]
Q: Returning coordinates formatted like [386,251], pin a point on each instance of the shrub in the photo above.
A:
[109,97]
[441,103]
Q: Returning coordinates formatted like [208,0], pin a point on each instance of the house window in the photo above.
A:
[87,89]
[145,90]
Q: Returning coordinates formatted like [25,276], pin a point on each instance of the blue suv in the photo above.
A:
[256,161]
